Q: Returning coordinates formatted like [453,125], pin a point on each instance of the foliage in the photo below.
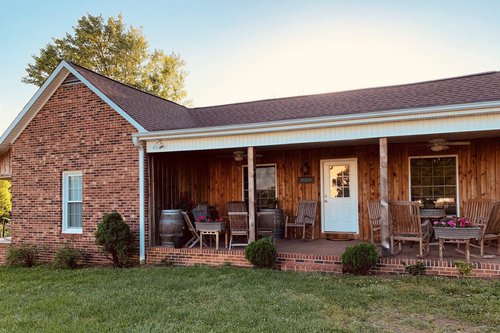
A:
[417,269]
[5,198]
[22,255]
[69,257]
[167,262]
[112,49]
[463,268]
[261,253]
[359,258]
[454,222]
[115,237]
[229,299]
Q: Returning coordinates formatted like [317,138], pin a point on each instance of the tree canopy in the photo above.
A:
[113,49]
[5,198]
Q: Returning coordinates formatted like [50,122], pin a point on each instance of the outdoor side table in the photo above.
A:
[212,229]
[457,236]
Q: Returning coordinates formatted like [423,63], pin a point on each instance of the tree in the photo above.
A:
[5,198]
[112,49]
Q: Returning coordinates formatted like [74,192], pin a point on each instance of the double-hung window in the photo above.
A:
[72,202]
[433,182]
[265,186]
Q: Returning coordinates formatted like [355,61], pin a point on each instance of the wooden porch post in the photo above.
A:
[251,192]
[384,196]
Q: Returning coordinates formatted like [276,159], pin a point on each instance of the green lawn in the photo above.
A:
[226,299]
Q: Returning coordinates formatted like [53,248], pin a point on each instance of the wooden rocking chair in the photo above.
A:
[238,223]
[479,212]
[306,216]
[406,225]
[236,206]
[375,217]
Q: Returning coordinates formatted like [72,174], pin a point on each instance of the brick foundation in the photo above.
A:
[3,252]
[299,262]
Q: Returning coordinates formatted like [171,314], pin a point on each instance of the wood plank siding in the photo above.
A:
[5,166]
[211,178]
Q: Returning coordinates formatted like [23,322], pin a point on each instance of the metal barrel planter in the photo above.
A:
[278,220]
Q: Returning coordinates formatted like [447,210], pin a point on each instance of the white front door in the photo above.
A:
[340,195]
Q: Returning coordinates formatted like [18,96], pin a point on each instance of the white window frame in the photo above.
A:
[65,182]
[457,185]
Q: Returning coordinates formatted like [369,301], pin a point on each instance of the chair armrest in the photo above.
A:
[481,225]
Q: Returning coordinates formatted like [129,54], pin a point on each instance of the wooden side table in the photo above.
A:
[212,229]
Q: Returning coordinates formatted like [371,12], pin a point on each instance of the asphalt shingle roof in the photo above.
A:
[155,113]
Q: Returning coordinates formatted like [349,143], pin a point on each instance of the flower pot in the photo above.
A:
[178,241]
[457,233]
[210,226]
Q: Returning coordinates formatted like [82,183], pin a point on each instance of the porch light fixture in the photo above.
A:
[158,144]
[305,168]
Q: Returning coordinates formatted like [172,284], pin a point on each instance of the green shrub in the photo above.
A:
[115,238]
[167,262]
[23,255]
[69,257]
[463,268]
[417,269]
[261,253]
[358,259]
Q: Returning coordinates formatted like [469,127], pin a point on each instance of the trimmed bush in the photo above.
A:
[115,238]
[23,255]
[261,253]
[359,258]
[463,268]
[69,257]
[417,269]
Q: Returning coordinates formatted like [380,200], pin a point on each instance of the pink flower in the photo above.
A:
[452,223]
[435,222]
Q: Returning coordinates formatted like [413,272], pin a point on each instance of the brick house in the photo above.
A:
[86,145]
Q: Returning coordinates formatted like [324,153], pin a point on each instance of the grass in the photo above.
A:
[228,299]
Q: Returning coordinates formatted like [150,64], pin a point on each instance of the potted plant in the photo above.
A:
[456,228]
[202,218]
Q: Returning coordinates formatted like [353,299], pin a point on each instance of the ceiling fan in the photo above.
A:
[238,155]
[442,144]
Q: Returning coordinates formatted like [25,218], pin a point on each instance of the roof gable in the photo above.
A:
[56,78]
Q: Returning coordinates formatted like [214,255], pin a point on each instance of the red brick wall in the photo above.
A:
[301,262]
[75,130]
[3,252]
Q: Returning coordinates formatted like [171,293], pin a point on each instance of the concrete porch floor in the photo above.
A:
[336,248]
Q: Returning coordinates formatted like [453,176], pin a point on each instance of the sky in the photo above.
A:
[239,51]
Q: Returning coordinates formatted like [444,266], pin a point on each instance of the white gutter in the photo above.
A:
[142,242]
[327,121]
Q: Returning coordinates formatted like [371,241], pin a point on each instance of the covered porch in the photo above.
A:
[386,169]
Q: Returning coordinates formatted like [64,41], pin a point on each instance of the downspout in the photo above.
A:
[142,248]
